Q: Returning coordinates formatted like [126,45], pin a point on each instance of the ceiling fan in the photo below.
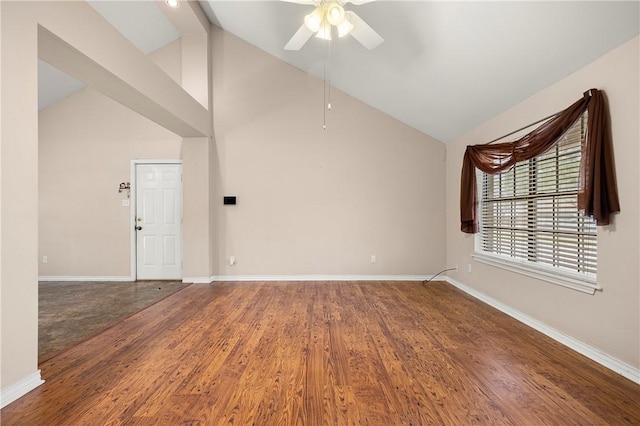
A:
[328,14]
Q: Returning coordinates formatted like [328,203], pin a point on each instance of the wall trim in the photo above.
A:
[79,278]
[197,280]
[219,278]
[319,278]
[590,352]
[17,390]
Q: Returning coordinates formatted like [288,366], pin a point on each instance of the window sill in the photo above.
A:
[581,284]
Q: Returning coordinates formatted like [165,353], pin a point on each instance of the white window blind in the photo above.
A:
[530,214]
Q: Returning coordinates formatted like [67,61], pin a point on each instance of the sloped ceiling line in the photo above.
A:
[444,68]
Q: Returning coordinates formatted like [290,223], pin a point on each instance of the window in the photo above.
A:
[529,218]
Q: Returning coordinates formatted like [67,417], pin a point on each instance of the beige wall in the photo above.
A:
[609,320]
[1,189]
[367,185]
[313,201]
[86,143]
[19,230]
[197,259]
[89,47]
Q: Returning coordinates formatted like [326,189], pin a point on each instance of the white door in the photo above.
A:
[158,221]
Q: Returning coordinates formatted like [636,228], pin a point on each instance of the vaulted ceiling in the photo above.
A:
[444,67]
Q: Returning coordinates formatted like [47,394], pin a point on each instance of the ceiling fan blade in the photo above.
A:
[299,38]
[363,32]
[356,2]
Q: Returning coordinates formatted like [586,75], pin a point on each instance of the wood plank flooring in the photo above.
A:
[324,353]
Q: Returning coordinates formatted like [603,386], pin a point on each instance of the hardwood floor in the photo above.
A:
[325,353]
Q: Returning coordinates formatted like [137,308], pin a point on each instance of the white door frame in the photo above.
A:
[132,210]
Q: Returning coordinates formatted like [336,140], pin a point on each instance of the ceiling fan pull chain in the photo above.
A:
[324,94]
[329,60]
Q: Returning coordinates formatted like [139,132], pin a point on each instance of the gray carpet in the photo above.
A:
[69,312]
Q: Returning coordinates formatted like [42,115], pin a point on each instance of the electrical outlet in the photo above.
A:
[373,258]
[45,259]
[232,260]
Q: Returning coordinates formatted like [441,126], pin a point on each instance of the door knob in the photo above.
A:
[138,228]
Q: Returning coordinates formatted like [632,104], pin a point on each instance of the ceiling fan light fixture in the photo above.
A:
[335,13]
[328,14]
[313,21]
[344,28]
[324,32]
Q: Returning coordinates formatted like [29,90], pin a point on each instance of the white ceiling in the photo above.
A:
[445,66]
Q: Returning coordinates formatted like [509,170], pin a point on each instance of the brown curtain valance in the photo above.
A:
[597,192]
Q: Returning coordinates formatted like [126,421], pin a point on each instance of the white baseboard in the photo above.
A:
[77,278]
[197,280]
[318,278]
[218,278]
[590,352]
[23,387]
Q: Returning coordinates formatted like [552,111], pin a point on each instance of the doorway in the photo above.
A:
[157,220]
